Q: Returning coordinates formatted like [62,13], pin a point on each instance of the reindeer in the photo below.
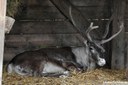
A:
[44,62]
[57,61]
[49,61]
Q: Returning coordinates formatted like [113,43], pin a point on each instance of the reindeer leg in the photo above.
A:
[70,65]
[59,74]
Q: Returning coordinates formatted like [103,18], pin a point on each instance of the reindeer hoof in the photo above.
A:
[65,74]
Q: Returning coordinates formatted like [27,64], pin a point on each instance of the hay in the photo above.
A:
[96,77]
[13,6]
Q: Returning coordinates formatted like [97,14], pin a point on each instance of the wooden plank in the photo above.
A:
[34,27]
[51,12]
[126,25]
[126,11]
[2,28]
[126,62]
[9,53]
[75,2]
[118,44]
[126,16]
[41,40]
[126,54]
[49,27]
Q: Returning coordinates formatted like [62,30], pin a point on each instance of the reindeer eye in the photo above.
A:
[91,48]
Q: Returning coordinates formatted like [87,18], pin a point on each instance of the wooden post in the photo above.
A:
[2,32]
[119,42]
[127,53]
[126,61]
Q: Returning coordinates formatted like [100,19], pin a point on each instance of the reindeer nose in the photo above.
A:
[101,62]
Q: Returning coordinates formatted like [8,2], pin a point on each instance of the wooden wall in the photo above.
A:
[126,35]
[41,24]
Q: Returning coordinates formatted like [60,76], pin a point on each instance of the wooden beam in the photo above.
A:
[118,43]
[75,2]
[126,50]
[41,40]
[51,12]
[126,57]
[2,26]
[50,27]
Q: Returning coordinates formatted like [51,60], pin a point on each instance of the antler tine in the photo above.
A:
[91,27]
[107,26]
[70,13]
[113,36]
[73,22]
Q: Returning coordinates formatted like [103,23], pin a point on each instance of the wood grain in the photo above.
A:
[41,40]
[51,12]
[74,2]
[118,44]
[49,27]
[126,50]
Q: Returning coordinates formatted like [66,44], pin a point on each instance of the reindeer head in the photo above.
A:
[94,47]
[96,50]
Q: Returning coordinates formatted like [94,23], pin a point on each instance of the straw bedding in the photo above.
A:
[95,77]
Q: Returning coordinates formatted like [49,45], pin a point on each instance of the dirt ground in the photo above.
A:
[95,77]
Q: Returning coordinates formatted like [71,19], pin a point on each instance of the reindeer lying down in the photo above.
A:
[58,61]
[43,62]
[49,62]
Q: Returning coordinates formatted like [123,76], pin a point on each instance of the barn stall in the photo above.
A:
[40,24]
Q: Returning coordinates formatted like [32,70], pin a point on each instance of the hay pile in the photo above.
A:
[96,77]
[13,6]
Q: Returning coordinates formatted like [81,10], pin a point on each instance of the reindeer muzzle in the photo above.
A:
[101,62]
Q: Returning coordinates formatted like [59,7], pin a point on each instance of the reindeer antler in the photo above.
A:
[91,27]
[107,26]
[113,36]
